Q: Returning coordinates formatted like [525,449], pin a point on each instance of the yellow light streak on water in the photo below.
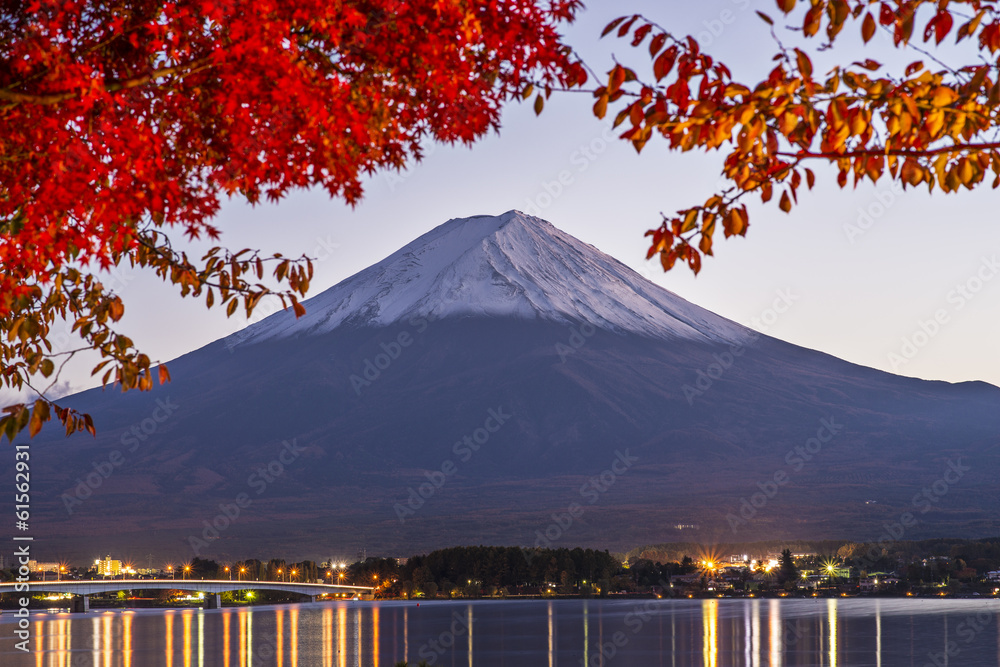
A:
[328,647]
[243,637]
[552,638]
[710,633]
[342,637]
[293,640]
[168,620]
[127,640]
[186,621]
[279,636]
[878,633]
[39,644]
[774,629]
[831,613]
[226,616]
[755,624]
[375,636]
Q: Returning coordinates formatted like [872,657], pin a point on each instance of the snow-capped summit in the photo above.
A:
[510,265]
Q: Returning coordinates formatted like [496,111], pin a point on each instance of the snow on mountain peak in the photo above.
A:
[511,265]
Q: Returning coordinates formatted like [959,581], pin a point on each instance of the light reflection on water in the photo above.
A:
[592,633]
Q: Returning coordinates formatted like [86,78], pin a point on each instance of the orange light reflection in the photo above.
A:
[293,641]
[186,618]
[168,620]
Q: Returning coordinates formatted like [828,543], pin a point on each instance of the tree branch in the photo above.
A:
[898,152]
[111,86]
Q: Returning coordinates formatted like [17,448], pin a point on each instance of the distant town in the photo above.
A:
[969,568]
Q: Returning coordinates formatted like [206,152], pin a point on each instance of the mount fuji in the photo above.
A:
[509,266]
[497,381]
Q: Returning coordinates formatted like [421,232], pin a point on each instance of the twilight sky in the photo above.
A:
[863,268]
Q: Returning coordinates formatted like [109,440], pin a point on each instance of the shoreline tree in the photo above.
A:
[788,573]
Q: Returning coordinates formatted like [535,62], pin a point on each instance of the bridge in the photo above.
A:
[212,588]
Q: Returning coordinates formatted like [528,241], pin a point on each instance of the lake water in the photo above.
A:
[713,633]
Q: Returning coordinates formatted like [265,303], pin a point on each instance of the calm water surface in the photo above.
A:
[713,633]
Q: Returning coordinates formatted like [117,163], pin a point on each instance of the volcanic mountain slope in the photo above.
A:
[498,381]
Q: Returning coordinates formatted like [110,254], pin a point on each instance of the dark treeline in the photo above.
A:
[493,571]
[487,568]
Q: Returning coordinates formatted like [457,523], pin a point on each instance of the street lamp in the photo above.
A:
[242,572]
[170,569]
[280,578]
[187,569]
[294,572]
[229,573]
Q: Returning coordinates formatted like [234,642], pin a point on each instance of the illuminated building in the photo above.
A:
[108,567]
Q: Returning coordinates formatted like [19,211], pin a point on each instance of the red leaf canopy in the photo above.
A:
[115,114]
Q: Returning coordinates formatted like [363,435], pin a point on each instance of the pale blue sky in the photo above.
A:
[856,298]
